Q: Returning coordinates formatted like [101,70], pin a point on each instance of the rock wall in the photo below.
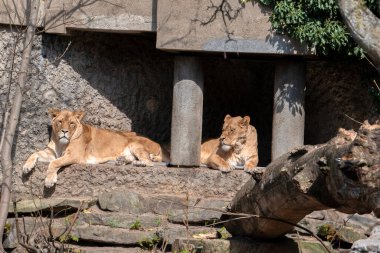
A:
[123,82]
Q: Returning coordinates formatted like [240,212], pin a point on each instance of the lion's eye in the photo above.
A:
[59,123]
[72,125]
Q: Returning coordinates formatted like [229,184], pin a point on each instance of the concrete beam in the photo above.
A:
[288,110]
[201,26]
[186,132]
[118,16]
[14,12]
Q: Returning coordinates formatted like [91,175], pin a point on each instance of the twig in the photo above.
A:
[377,86]
[370,62]
[64,52]
[20,241]
[361,123]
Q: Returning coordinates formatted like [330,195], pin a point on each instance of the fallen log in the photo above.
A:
[343,174]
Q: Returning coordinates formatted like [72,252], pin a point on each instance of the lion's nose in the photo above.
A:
[65,131]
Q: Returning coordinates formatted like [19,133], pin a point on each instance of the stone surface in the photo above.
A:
[236,245]
[126,201]
[205,211]
[369,245]
[93,180]
[115,236]
[364,222]
[32,227]
[34,205]
[110,250]
[170,233]
[177,208]
[122,220]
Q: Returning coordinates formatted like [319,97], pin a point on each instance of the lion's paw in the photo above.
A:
[226,169]
[141,163]
[28,166]
[50,180]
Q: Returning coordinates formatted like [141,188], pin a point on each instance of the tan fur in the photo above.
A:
[74,142]
[237,146]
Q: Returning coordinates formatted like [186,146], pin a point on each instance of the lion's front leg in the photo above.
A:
[251,164]
[54,166]
[46,155]
[218,163]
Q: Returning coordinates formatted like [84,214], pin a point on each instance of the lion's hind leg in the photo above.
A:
[142,155]
[46,155]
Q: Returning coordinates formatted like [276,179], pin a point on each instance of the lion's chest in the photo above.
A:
[236,160]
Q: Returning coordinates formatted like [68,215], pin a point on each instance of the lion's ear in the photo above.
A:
[79,115]
[53,112]
[228,117]
[245,121]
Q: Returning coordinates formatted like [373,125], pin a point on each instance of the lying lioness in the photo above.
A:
[74,142]
[237,146]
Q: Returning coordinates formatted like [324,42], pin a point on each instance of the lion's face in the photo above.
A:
[66,125]
[234,132]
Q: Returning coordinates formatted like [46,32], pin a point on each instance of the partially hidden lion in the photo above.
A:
[237,146]
[74,142]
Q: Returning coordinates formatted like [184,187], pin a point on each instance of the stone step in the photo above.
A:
[176,207]
[109,250]
[108,234]
[93,180]
[247,245]
[39,204]
[123,220]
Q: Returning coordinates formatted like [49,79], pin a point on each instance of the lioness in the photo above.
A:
[74,142]
[237,146]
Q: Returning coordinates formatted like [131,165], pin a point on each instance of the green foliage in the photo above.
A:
[136,225]
[113,223]
[149,243]
[74,238]
[7,228]
[65,237]
[157,221]
[223,233]
[326,232]
[315,22]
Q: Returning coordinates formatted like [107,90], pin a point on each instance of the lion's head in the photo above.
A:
[66,125]
[234,133]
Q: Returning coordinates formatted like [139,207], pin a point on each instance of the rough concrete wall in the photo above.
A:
[334,89]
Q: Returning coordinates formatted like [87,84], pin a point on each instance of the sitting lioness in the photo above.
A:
[74,142]
[237,146]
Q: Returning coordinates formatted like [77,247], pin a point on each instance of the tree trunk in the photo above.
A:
[343,174]
[364,27]
[6,149]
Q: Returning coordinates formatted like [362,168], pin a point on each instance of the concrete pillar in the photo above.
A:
[288,110]
[186,132]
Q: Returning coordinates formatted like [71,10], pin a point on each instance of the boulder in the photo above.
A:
[369,245]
